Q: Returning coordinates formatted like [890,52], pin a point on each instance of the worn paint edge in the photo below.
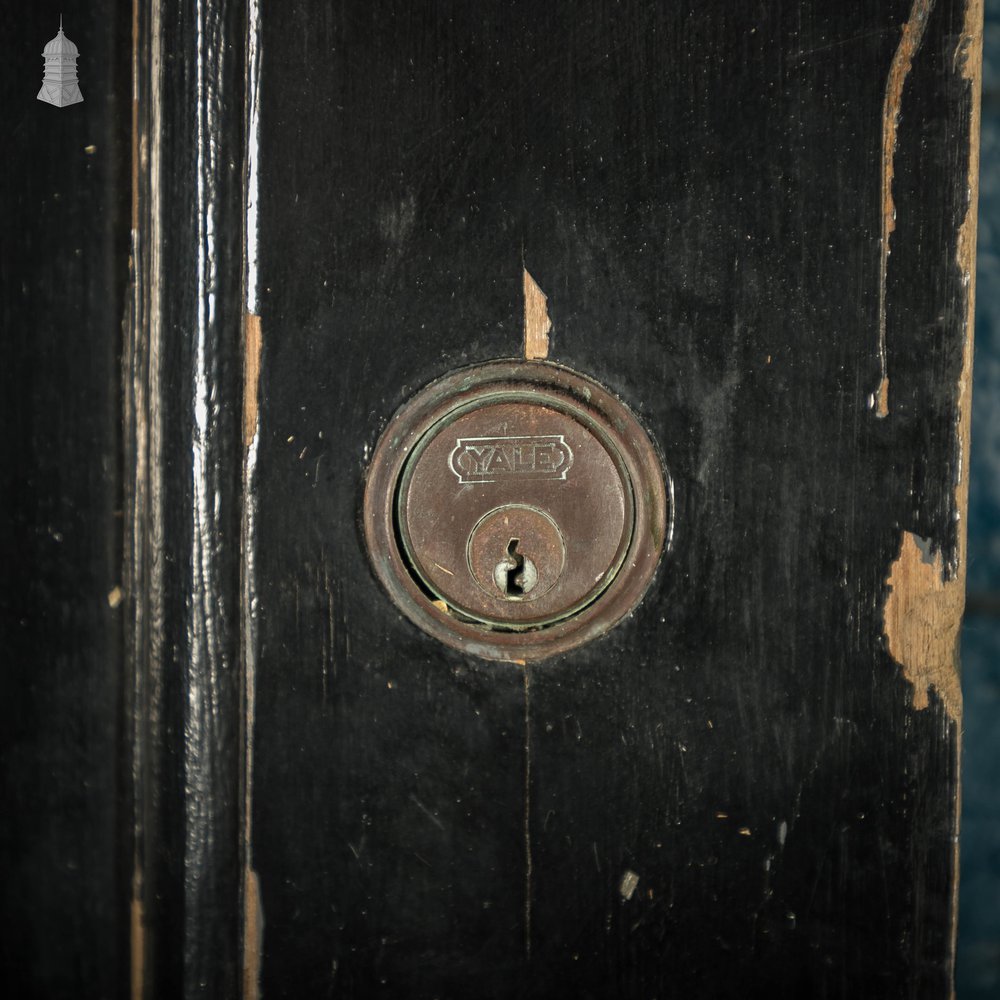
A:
[145,420]
[253,934]
[251,375]
[970,52]
[537,324]
[137,938]
[899,70]
[132,553]
[923,612]
[926,597]
[253,918]
[253,911]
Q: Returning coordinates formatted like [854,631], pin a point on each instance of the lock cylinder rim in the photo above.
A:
[645,484]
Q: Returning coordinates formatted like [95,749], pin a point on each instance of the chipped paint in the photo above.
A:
[922,617]
[137,937]
[899,69]
[537,324]
[252,911]
[253,340]
[926,597]
[970,52]
[251,375]
[253,934]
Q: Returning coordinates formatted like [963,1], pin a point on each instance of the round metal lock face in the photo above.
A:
[518,493]
[515,510]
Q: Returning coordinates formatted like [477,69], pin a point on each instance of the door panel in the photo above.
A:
[754,225]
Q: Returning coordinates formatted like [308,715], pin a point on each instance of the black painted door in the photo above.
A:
[754,224]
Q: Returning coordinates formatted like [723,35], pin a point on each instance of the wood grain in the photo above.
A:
[537,324]
[922,617]
[902,61]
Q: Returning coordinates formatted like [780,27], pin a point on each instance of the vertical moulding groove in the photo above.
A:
[252,910]
[182,392]
[970,53]
[142,516]
[253,922]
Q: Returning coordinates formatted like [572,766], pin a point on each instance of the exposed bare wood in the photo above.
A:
[251,375]
[253,934]
[537,324]
[137,939]
[902,61]
[922,617]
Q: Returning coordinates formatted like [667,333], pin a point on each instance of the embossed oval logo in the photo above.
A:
[491,459]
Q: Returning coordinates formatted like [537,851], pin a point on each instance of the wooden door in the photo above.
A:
[754,224]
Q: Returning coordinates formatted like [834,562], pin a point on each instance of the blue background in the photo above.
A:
[979,903]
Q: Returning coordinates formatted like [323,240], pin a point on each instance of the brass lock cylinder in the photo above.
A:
[515,510]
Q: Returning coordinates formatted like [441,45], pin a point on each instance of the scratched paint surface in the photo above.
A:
[737,789]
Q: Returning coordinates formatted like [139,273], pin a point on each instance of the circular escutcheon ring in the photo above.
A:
[516,509]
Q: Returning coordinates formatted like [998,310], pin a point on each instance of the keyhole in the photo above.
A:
[515,570]
[515,575]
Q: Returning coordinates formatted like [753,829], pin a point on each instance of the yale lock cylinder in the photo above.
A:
[515,510]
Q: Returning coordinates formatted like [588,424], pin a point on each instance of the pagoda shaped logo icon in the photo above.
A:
[59,86]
